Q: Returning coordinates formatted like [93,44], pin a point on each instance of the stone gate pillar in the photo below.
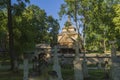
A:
[56,66]
[25,67]
[78,72]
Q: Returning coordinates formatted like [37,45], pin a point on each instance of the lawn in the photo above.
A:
[67,74]
[8,75]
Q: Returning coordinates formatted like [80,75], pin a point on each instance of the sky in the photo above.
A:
[51,7]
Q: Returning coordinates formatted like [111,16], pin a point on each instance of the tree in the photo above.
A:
[10,30]
[39,20]
[96,17]
[3,30]
[7,4]
[99,24]
[53,29]
[31,27]
[71,9]
[116,21]
[24,32]
[26,27]
[46,26]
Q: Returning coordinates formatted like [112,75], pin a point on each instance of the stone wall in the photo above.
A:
[91,58]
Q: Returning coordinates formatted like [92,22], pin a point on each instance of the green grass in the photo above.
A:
[8,75]
[67,73]
[96,75]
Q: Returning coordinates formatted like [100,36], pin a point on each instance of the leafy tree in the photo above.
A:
[53,29]
[26,27]
[96,17]
[10,31]
[116,21]
[46,26]
[39,22]
[7,4]
[31,27]
[24,32]
[100,23]
[3,30]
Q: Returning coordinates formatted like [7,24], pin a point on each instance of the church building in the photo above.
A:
[67,38]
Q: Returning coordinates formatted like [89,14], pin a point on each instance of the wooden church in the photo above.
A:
[67,38]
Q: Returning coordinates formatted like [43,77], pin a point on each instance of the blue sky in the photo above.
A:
[51,7]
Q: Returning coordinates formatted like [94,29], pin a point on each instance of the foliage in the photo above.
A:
[38,21]
[97,21]
[23,32]
[3,29]
[53,29]
[27,26]
[46,27]
[30,26]
[116,21]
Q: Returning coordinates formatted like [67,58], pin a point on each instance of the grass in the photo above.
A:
[8,75]
[96,74]
[67,74]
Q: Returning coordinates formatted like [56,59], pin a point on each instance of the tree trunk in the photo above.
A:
[104,45]
[10,30]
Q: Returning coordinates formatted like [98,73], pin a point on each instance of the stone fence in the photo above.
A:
[91,58]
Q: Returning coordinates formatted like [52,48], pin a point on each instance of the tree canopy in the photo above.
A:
[29,25]
[99,20]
